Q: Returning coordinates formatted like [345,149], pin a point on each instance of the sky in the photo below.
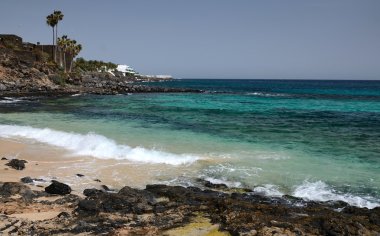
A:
[241,39]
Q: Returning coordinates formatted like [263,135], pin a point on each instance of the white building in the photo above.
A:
[125,69]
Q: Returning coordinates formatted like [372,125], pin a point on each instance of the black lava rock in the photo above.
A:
[17,164]
[88,205]
[80,175]
[27,180]
[91,192]
[105,187]
[58,188]
[63,214]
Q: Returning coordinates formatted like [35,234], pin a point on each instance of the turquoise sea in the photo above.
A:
[319,140]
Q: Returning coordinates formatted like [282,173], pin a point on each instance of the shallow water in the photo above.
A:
[313,139]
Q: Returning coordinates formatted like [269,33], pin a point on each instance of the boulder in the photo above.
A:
[58,188]
[27,180]
[17,164]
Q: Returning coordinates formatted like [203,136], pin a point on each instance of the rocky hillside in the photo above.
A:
[21,72]
[24,72]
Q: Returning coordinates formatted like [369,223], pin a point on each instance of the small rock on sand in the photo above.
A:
[17,164]
[58,188]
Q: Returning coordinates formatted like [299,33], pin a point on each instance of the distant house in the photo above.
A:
[125,69]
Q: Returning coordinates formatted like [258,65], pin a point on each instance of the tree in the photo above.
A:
[68,46]
[63,43]
[58,16]
[52,22]
[74,50]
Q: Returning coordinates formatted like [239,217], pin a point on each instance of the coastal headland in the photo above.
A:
[26,70]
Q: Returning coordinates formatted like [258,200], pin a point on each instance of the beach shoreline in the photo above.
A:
[213,208]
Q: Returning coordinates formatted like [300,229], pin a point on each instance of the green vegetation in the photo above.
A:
[69,46]
[94,65]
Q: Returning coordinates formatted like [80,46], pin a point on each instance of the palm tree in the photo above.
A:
[58,16]
[76,48]
[63,43]
[67,45]
[52,22]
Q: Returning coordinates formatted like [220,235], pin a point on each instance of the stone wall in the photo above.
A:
[10,39]
[49,49]
[27,58]
[27,51]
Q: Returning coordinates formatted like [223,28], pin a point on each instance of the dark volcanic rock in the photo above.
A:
[63,215]
[11,188]
[58,188]
[90,206]
[127,200]
[105,187]
[17,164]
[4,159]
[159,207]
[209,184]
[27,180]
[80,175]
[91,192]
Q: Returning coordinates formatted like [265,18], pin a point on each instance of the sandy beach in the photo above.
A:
[52,163]
[120,197]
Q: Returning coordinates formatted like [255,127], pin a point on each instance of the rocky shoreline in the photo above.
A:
[22,75]
[27,208]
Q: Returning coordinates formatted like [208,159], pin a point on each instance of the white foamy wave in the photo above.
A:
[320,191]
[95,145]
[9,100]
[262,94]
[231,184]
[268,190]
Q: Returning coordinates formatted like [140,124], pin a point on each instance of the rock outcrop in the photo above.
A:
[176,210]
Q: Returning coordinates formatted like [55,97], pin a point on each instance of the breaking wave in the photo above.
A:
[321,192]
[94,145]
[10,100]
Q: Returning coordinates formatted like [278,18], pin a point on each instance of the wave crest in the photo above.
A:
[320,191]
[94,145]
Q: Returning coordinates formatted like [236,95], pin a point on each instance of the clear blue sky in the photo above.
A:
[293,39]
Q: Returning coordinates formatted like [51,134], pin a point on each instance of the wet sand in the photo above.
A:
[48,162]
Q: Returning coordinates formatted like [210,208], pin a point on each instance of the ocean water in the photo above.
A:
[319,140]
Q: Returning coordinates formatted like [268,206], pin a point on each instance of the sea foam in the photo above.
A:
[94,145]
[10,100]
[320,191]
